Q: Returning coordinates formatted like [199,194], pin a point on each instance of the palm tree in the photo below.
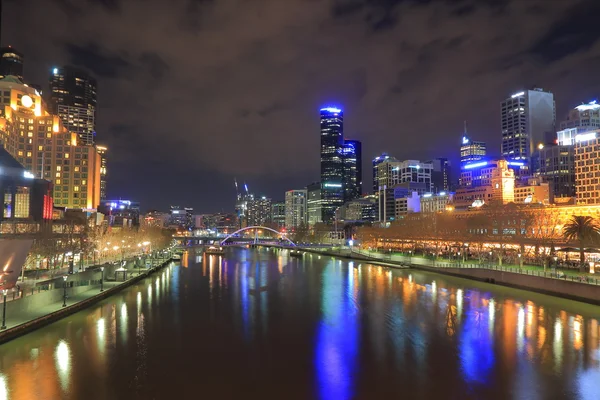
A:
[583,230]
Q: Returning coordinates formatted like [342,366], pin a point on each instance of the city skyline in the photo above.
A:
[384,106]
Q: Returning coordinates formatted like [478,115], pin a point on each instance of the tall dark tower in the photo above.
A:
[352,169]
[332,161]
[11,62]
[73,99]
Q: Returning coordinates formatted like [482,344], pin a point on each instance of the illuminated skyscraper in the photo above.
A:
[295,209]
[528,119]
[376,161]
[103,172]
[73,98]
[471,151]
[41,143]
[352,169]
[332,162]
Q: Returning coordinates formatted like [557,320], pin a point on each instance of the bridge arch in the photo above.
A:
[248,228]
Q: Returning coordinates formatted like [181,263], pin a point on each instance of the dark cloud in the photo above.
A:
[578,30]
[95,59]
[193,93]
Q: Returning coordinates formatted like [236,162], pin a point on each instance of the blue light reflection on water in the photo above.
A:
[476,340]
[337,337]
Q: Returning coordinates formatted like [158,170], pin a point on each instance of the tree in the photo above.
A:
[583,230]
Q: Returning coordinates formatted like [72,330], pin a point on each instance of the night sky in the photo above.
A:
[193,93]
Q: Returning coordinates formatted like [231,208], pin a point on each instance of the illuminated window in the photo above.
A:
[28,154]
[48,135]
[58,167]
[22,202]
[40,148]
[57,181]
[20,153]
[76,188]
[76,169]
[7,204]
[58,174]
[66,155]
[30,134]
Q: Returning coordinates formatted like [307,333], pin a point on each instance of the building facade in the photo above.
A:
[440,175]
[392,173]
[556,165]
[471,151]
[534,192]
[352,150]
[376,162]
[407,204]
[313,206]
[332,162]
[432,203]
[40,142]
[73,99]
[278,214]
[259,211]
[103,170]
[181,218]
[587,167]
[528,119]
[295,209]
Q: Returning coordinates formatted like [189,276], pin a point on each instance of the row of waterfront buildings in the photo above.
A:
[540,162]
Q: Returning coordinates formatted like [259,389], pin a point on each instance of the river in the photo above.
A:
[257,324]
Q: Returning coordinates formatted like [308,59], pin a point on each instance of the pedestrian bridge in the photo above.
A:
[239,237]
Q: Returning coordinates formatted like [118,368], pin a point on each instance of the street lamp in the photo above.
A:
[4,292]
[102,279]
[520,260]
[65,277]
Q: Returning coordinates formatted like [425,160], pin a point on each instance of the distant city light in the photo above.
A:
[476,165]
[589,106]
[465,140]
[516,163]
[335,185]
[28,175]
[332,110]
[55,71]
[584,137]
[517,95]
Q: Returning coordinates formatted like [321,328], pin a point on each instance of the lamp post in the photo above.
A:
[4,292]
[102,279]
[65,277]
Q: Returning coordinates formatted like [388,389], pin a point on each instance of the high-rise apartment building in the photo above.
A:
[528,119]
[41,143]
[313,194]
[278,214]
[332,162]
[73,99]
[352,150]
[587,167]
[584,117]
[295,208]
[103,171]
[11,62]
[181,218]
[376,162]
[259,211]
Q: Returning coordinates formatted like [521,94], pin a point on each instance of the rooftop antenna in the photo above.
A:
[237,191]
[465,127]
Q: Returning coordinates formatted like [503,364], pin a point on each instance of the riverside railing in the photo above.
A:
[432,263]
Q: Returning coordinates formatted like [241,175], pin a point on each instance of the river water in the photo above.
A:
[258,324]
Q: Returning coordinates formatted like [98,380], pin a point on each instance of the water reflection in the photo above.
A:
[63,363]
[342,330]
[337,336]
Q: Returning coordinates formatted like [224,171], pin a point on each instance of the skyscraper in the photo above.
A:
[440,174]
[352,169]
[103,171]
[528,119]
[313,200]
[11,62]
[295,209]
[73,99]
[471,151]
[376,161]
[332,162]
[40,142]
[259,211]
